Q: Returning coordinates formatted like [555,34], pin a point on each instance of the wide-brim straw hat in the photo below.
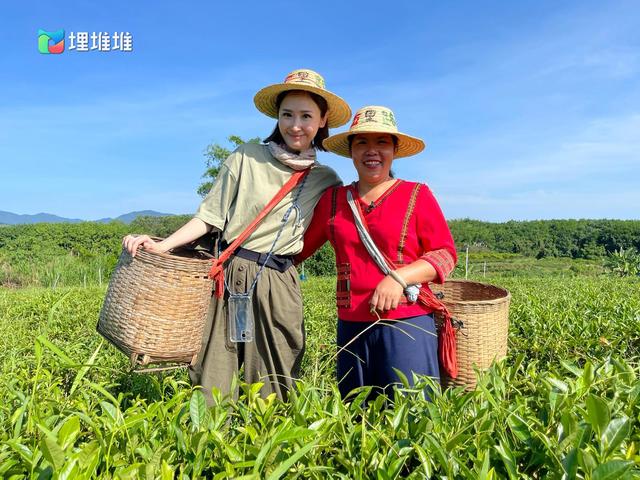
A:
[374,119]
[339,112]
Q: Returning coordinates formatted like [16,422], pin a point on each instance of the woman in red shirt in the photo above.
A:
[404,220]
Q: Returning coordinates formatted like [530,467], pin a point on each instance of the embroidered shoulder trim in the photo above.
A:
[407,217]
[343,285]
[442,261]
[334,207]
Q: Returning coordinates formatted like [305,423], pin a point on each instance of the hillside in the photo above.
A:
[10,218]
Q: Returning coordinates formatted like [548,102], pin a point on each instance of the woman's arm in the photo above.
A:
[388,293]
[433,266]
[316,235]
[419,271]
[211,213]
[190,231]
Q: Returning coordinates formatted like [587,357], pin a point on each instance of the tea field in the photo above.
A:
[565,403]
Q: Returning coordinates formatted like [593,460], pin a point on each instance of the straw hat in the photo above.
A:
[374,119]
[309,81]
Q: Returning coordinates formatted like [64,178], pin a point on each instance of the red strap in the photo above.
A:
[217,269]
[447,337]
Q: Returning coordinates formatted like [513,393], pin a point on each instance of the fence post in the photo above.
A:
[466,264]
[302,275]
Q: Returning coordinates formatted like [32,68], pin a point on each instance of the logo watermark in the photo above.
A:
[50,42]
[54,42]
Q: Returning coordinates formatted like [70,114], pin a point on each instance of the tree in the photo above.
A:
[215,155]
[624,263]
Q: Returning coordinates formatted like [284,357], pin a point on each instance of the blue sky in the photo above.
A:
[529,109]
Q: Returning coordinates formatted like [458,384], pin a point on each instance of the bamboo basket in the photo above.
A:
[481,313]
[156,307]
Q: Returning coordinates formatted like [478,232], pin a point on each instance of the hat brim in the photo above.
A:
[339,112]
[407,145]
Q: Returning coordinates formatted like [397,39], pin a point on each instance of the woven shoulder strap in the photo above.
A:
[217,271]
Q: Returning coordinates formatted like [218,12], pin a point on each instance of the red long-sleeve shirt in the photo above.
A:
[423,233]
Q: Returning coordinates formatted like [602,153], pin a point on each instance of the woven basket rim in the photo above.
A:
[169,256]
[166,255]
[504,298]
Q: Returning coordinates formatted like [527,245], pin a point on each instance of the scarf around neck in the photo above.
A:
[296,161]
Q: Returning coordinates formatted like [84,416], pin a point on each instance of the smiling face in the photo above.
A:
[299,119]
[372,155]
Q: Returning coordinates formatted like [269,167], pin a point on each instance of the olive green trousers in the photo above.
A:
[275,354]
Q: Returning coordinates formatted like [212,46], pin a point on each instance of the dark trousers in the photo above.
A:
[409,345]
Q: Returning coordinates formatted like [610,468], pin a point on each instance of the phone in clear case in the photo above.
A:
[240,318]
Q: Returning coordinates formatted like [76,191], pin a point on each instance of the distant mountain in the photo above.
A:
[9,218]
[131,216]
[15,219]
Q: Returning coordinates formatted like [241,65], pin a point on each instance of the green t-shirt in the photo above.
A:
[246,182]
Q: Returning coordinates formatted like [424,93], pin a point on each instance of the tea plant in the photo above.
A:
[565,403]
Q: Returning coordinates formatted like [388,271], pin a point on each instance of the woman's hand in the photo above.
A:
[190,231]
[387,294]
[132,243]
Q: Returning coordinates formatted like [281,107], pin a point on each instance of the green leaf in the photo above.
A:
[436,451]
[570,463]
[287,434]
[458,438]
[52,452]
[285,465]
[22,450]
[508,459]
[588,374]
[571,368]
[612,470]
[70,471]
[233,453]
[382,475]
[583,434]
[291,434]
[402,377]
[69,431]
[559,384]
[83,371]
[617,430]
[425,460]
[66,360]
[166,472]
[318,424]
[103,391]
[17,419]
[109,410]
[198,409]
[399,417]
[587,460]
[488,395]
[598,413]
[519,427]
[88,454]
[484,472]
